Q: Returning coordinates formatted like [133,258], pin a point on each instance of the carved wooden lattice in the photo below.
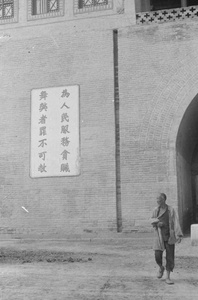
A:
[6,9]
[44,6]
[167,15]
[89,3]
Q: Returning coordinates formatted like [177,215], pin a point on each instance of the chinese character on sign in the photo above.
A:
[43,95]
[42,168]
[64,105]
[64,154]
[42,119]
[42,155]
[43,130]
[65,168]
[42,143]
[65,93]
[55,130]
[64,117]
[43,106]
[65,141]
[64,129]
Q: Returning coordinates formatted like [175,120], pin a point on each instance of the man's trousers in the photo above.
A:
[170,257]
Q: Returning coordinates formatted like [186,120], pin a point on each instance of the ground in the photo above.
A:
[120,267]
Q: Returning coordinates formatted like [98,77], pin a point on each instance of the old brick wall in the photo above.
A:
[158,81]
[72,49]
[48,52]
[52,57]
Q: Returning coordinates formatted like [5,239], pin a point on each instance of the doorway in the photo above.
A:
[187,166]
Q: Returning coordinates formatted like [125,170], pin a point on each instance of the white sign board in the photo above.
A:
[55,131]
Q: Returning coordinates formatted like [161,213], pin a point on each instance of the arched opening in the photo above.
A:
[187,166]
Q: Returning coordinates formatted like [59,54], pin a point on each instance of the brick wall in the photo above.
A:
[158,81]
[36,52]
[45,56]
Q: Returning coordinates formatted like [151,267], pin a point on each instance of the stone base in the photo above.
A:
[194,234]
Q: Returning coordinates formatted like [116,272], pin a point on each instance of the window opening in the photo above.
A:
[154,5]
[192,2]
[6,9]
[44,6]
[89,3]
[164,4]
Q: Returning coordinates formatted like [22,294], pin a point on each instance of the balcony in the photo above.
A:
[160,11]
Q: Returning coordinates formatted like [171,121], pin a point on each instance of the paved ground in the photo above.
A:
[118,268]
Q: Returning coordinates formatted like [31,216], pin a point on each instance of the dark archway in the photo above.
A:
[187,166]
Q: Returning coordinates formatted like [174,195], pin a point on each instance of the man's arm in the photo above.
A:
[154,220]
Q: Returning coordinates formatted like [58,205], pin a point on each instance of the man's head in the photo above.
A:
[161,199]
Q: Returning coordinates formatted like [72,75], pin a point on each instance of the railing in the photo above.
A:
[167,15]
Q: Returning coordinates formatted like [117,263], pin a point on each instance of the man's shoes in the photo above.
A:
[168,281]
[160,273]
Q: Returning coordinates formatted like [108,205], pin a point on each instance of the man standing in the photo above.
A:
[167,233]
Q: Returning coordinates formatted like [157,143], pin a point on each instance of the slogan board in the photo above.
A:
[55,132]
